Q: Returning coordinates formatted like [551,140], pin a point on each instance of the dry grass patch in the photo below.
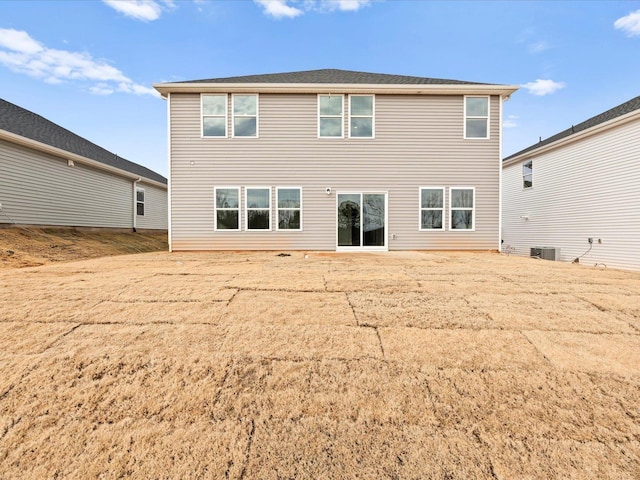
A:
[460,348]
[357,281]
[294,341]
[611,353]
[292,280]
[155,312]
[180,288]
[315,447]
[545,312]
[289,308]
[419,310]
[29,338]
[53,311]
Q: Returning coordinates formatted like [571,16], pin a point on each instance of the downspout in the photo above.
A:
[135,201]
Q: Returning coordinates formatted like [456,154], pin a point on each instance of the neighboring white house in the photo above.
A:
[334,160]
[51,176]
[579,192]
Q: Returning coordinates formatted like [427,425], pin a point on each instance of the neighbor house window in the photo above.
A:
[476,117]
[431,208]
[462,201]
[214,115]
[258,208]
[330,116]
[245,115]
[140,201]
[361,108]
[227,208]
[289,206]
[527,174]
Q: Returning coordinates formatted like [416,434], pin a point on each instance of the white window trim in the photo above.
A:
[215,209]
[488,117]
[372,116]
[451,209]
[233,115]
[277,217]
[523,175]
[226,115]
[331,116]
[143,202]
[420,209]
[246,209]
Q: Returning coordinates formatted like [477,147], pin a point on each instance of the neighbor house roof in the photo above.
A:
[24,123]
[326,79]
[576,130]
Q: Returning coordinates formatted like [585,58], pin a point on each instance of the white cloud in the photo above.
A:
[279,8]
[145,10]
[538,47]
[286,8]
[510,122]
[543,87]
[630,24]
[22,54]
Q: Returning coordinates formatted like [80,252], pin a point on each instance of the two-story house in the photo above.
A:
[334,160]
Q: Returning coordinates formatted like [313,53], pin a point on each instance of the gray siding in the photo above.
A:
[40,189]
[155,209]
[585,189]
[418,143]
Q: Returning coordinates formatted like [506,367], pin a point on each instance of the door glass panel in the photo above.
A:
[373,224]
[349,219]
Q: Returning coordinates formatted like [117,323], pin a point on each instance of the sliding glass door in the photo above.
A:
[362,221]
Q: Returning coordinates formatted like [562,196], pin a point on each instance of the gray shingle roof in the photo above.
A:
[27,124]
[331,75]
[622,109]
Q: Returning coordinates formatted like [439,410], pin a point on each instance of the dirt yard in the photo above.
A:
[29,246]
[319,366]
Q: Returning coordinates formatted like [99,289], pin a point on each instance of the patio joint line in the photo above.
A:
[247,452]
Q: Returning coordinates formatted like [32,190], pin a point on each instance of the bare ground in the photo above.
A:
[251,365]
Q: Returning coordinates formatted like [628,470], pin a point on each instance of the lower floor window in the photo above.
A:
[431,208]
[140,201]
[462,201]
[289,205]
[227,208]
[258,206]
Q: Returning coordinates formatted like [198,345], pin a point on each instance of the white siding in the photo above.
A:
[418,142]
[40,189]
[590,188]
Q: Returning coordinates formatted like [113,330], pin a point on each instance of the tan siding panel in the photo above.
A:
[586,189]
[155,208]
[418,142]
[40,189]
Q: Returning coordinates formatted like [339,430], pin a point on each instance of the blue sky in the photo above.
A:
[89,65]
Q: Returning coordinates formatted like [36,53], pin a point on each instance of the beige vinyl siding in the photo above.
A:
[40,189]
[155,208]
[419,141]
[589,188]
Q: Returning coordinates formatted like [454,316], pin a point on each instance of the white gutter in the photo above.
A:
[394,89]
[58,152]
[574,137]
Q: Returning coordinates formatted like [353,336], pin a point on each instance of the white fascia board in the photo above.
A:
[602,127]
[355,88]
[58,152]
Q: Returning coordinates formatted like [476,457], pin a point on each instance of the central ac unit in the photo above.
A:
[546,253]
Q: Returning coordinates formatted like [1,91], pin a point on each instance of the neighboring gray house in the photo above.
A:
[334,160]
[581,184]
[51,176]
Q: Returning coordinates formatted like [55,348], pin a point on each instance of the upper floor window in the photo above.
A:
[258,208]
[227,208]
[476,117]
[330,116]
[462,200]
[361,108]
[289,205]
[140,201]
[214,115]
[527,174]
[431,208]
[245,115]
